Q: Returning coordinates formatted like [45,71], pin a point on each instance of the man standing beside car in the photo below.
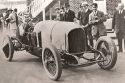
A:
[69,14]
[119,24]
[96,18]
[84,19]
[17,32]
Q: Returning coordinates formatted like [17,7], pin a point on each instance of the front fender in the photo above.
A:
[103,38]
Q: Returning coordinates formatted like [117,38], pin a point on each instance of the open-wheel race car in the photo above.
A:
[62,44]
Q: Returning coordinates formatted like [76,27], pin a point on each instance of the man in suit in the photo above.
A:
[119,24]
[17,32]
[69,14]
[96,18]
[79,14]
[84,19]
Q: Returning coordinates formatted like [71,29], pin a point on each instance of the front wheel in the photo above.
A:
[108,48]
[52,62]
[8,48]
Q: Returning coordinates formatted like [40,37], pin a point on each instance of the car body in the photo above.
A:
[61,44]
[58,34]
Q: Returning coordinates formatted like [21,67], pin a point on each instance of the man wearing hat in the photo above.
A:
[69,14]
[8,12]
[97,19]
[84,19]
[12,24]
[119,26]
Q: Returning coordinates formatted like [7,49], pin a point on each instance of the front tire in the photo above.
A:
[52,62]
[8,49]
[108,48]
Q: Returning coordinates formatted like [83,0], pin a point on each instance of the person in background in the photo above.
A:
[84,19]
[8,12]
[4,20]
[15,12]
[1,23]
[96,18]
[57,14]
[69,14]
[79,14]
[62,13]
[12,24]
[17,32]
[119,25]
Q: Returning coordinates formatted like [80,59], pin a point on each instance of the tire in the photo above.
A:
[52,62]
[107,46]
[8,49]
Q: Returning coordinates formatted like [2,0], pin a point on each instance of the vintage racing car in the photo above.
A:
[61,44]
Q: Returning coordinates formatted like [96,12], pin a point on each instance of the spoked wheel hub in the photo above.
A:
[108,53]
[52,62]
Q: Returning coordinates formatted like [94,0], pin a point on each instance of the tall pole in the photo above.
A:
[50,13]
[59,3]
[44,15]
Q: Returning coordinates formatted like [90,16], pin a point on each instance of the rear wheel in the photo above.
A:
[108,48]
[52,62]
[8,49]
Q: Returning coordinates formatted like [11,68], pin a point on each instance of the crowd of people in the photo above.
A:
[93,20]
[10,22]
[65,14]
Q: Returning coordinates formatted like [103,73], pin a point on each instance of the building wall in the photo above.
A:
[111,5]
[107,6]
[20,5]
[75,4]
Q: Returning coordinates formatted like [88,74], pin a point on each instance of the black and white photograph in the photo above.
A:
[62,41]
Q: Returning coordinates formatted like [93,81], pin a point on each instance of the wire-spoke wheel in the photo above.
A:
[109,53]
[52,63]
[8,48]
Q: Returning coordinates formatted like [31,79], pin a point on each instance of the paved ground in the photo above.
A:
[26,68]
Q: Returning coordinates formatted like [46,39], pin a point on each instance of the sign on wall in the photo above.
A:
[38,6]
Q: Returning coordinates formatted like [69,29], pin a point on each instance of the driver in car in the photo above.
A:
[28,27]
